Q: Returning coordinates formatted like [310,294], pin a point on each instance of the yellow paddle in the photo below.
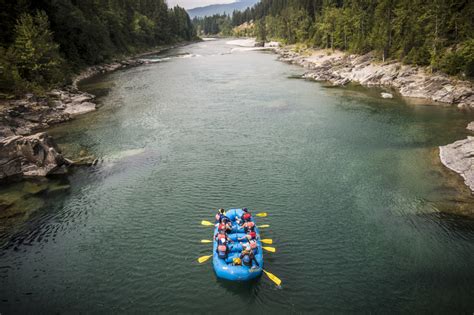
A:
[261,214]
[203,258]
[263,226]
[273,277]
[264,241]
[270,249]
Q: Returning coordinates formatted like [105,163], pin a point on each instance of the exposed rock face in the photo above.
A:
[340,69]
[25,116]
[80,108]
[35,155]
[272,44]
[470,127]
[459,157]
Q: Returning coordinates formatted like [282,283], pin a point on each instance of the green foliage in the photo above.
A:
[460,60]
[37,50]
[419,56]
[10,79]
[32,62]
[217,24]
[244,30]
[36,55]
[438,33]
[261,30]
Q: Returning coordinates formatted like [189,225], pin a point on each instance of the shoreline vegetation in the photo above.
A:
[435,34]
[423,49]
[390,44]
[34,114]
[339,69]
[411,82]
[26,150]
[47,47]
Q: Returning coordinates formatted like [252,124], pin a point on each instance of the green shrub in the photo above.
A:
[419,56]
[32,63]
[460,61]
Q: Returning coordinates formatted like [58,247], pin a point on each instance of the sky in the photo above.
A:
[189,4]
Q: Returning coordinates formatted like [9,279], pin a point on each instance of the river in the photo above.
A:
[363,216]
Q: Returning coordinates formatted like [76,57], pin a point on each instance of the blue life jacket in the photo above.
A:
[246,260]
[223,219]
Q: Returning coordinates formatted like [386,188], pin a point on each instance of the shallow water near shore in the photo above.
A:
[351,183]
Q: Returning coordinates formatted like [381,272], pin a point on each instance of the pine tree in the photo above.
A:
[35,53]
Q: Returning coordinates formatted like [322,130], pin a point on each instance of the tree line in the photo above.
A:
[43,41]
[435,33]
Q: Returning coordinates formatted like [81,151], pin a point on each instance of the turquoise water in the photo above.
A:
[351,183]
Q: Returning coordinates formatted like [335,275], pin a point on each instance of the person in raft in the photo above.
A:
[251,241]
[245,217]
[220,215]
[247,257]
[248,226]
[222,241]
[225,226]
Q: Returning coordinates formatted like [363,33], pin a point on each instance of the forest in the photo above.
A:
[42,42]
[434,33]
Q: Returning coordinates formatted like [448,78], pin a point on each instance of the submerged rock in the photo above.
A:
[386,95]
[459,157]
[58,189]
[35,155]
[470,126]
[22,207]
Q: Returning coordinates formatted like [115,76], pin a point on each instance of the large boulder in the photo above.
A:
[470,126]
[35,155]
[75,109]
[459,156]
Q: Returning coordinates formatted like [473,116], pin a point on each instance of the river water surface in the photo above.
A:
[363,217]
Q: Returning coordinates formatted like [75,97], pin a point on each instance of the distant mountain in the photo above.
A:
[221,8]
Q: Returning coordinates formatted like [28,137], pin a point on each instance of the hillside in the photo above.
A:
[220,8]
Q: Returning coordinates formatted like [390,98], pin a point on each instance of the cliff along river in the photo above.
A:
[362,214]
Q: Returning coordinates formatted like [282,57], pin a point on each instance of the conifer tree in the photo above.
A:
[36,55]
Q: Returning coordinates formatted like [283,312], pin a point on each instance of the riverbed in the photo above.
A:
[363,216]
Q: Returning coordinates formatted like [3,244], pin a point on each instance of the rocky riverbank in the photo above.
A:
[459,157]
[340,69]
[30,156]
[410,81]
[25,154]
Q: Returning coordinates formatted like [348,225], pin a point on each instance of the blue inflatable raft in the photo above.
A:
[224,268]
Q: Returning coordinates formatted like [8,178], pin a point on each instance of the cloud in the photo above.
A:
[189,4]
